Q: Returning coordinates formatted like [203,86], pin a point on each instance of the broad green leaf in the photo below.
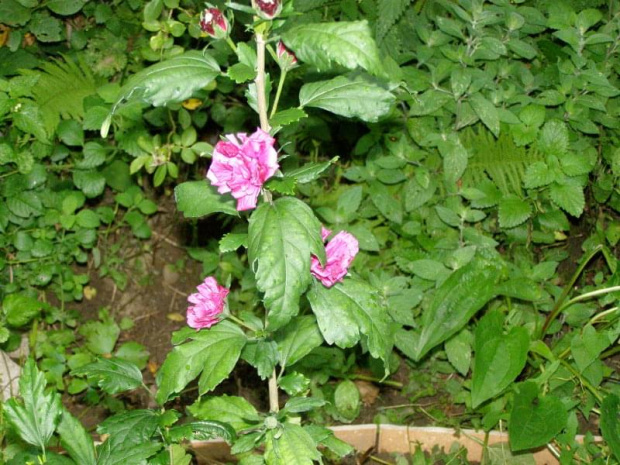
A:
[458,350]
[199,198]
[499,359]
[553,139]
[120,453]
[386,203]
[288,116]
[352,97]
[429,269]
[262,355]
[349,44]
[236,411]
[586,346]
[27,117]
[12,13]
[486,111]
[513,211]
[325,437]
[297,339]
[75,440]
[213,352]
[534,420]
[112,375]
[347,401]
[178,455]
[304,404]
[569,197]
[25,204]
[538,174]
[231,242]
[203,431]
[389,11]
[20,309]
[170,81]
[458,299]
[133,426]
[282,237]
[65,7]
[241,73]
[610,423]
[91,182]
[294,384]
[520,288]
[34,419]
[310,171]
[290,445]
[454,158]
[101,336]
[349,310]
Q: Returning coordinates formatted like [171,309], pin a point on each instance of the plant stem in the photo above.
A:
[232,44]
[274,404]
[394,384]
[558,305]
[583,381]
[261,98]
[278,93]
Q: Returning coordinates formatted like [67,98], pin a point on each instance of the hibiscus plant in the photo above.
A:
[300,269]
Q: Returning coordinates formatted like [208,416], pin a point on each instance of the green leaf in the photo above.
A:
[36,418]
[262,355]
[513,211]
[203,431]
[199,198]
[347,401]
[28,119]
[133,426]
[458,350]
[310,171]
[282,237]
[213,352]
[288,116]
[65,7]
[112,375]
[115,452]
[236,411]
[290,445]
[538,174]
[534,420]
[14,14]
[91,182]
[429,269]
[386,203]
[75,440]
[458,299]
[173,80]
[70,132]
[569,197]
[349,44]
[352,97]
[610,423]
[520,288]
[486,111]
[553,139]
[297,339]
[231,242]
[20,309]
[294,384]
[101,336]
[499,359]
[304,404]
[454,158]
[25,204]
[389,11]
[241,73]
[349,310]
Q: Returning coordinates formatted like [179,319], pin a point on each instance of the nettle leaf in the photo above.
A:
[213,352]
[352,97]
[76,440]
[349,44]
[134,426]
[553,139]
[112,375]
[36,418]
[455,302]
[513,211]
[196,199]
[486,111]
[499,359]
[454,158]
[389,13]
[534,420]
[610,423]
[297,339]
[173,80]
[569,197]
[349,310]
[290,445]
[282,237]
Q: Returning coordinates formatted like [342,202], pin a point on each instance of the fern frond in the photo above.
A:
[61,89]
[388,13]
[500,160]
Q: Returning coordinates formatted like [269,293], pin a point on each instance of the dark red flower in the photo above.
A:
[214,23]
[268,9]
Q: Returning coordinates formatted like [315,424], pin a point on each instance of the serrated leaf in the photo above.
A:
[241,73]
[20,309]
[25,204]
[112,375]
[352,97]
[458,299]
[389,12]
[499,359]
[282,237]
[196,199]
[386,203]
[120,453]
[310,171]
[133,426]
[236,411]
[28,118]
[231,242]
[349,310]
[213,352]
[513,211]
[569,197]
[262,355]
[553,138]
[290,445]
[75,440]
[538,174]
[91,182]
[173,80]
[349,44]
[534,420]
[36,418]
[297,339]
[288,116]
[486,111]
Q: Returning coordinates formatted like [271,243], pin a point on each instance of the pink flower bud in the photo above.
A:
[241,165]
[214,23]
[286,59]
[268,9]
[340,252]
[208,302]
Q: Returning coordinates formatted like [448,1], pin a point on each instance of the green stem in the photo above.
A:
[558,305]
[394,384]
[583,381]
[261,98]
[239,322]
[232,44]
[10,173]
[610,352]
[278,93]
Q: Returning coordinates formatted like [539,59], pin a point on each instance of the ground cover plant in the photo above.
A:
[430,185]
